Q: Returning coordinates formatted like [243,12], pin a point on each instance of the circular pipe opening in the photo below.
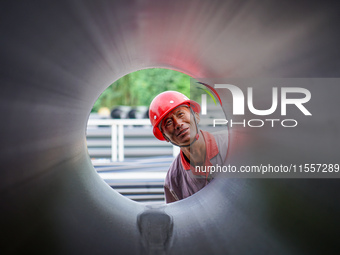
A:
[120,142]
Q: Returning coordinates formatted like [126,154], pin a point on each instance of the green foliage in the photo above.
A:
[140,87]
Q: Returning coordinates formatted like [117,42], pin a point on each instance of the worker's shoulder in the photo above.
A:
[176,164]
[220,133]
[175,169]
[221,136]
[222,141]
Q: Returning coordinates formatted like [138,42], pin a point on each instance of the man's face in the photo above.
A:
[178,124]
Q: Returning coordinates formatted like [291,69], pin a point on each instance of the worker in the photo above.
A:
[175,119]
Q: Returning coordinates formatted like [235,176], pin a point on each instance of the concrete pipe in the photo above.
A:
[56,59]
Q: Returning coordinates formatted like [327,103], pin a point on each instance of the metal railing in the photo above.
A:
[117,134]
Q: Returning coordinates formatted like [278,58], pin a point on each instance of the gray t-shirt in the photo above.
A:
[181,183]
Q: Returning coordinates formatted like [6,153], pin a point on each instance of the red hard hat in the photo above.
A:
[164,103]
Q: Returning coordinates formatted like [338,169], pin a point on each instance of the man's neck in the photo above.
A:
[196,152]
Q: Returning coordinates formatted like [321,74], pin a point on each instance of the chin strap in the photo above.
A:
[196,136]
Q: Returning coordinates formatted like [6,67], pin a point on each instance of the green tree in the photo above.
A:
[140,87]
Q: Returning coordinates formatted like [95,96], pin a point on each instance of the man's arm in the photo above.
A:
[169,196]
